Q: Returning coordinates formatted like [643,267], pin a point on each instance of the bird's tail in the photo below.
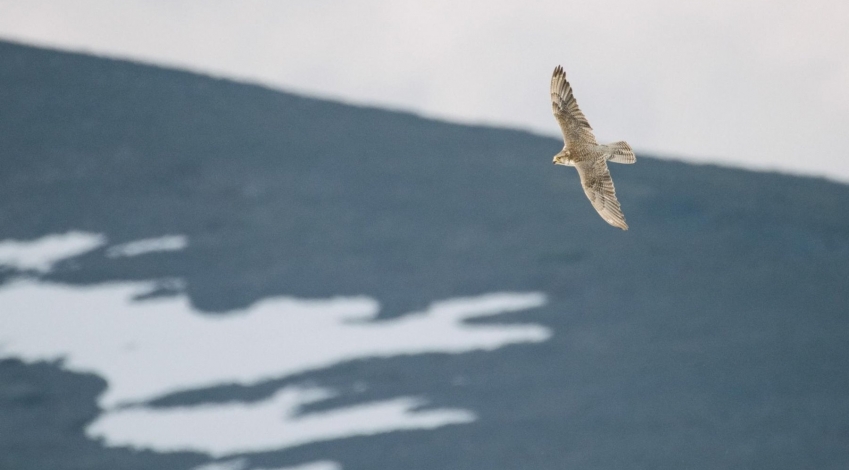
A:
[619,152]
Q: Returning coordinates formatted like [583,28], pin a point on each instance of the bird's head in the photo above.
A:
[562,158]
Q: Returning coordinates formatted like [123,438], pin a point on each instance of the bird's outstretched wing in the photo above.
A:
[598,185]
[572,122]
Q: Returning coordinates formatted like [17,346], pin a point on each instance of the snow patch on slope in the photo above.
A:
[149,349]
[148,245]
[41,254]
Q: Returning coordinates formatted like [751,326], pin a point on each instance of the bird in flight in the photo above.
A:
[581,150]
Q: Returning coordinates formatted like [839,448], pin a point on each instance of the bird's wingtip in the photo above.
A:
[617,223]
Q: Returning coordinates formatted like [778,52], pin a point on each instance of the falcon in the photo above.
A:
[581,150]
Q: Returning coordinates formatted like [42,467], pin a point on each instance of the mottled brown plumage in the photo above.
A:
[581,150]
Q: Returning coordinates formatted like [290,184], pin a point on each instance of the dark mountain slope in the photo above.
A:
[711,334]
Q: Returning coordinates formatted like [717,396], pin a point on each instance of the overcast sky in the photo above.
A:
[754,83]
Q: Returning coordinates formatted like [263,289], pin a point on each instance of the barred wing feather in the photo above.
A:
[598,186]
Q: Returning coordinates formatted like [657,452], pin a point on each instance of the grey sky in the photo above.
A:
[753,83]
